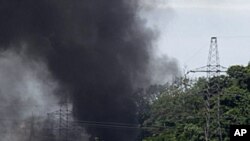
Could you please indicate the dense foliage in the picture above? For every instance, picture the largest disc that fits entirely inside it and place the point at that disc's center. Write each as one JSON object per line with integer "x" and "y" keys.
{"x": 178, "y": 112}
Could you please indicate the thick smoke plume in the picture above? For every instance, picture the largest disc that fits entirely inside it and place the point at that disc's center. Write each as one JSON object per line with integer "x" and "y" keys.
{"x": 98, "y": 50}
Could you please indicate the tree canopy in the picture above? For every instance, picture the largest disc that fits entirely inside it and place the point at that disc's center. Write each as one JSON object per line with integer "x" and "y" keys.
{"x": 178, "y": 112}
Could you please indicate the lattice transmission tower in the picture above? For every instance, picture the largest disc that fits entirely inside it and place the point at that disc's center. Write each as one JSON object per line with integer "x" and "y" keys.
{"x": 213, "y": 70}
{"x": 62, "y": 126}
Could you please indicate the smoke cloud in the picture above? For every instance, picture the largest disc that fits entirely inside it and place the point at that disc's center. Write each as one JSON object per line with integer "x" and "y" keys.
{"x": 97, "y": 50}
{"x": 26, "y": 89}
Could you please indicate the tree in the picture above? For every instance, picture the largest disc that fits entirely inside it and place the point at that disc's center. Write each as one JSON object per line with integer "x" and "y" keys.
{"x": 178, "y": 114}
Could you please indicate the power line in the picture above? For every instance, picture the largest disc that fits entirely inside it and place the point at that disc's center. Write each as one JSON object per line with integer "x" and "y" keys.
{"x": 194, "y": 54}
{"x": 234, "y": 36}
{"x": 105, "y": 124}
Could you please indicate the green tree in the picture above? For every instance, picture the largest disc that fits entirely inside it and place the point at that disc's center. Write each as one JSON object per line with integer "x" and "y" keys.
{"x": 177, "y": 114}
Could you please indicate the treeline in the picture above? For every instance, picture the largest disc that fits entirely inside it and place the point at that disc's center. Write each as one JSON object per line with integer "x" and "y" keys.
{"x": 177, "y": 112}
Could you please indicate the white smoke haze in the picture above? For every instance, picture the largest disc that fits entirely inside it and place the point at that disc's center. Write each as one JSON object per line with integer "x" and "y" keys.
{"x": 165, "y": 70}
{"x": 238, "y": 5}
{"x": 26, "y": 89}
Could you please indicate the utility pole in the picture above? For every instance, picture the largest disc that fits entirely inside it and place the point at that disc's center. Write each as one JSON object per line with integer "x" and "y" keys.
{"x": 213, "y": 70}
{"x": 67, "y": 118}
{"x": 62, "y": 119}
{"x": 60, "y": 123}
{"x": 32, "y": 128}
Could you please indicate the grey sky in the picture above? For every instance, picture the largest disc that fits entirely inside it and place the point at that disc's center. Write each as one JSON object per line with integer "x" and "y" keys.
{"x": 186, "y": 26}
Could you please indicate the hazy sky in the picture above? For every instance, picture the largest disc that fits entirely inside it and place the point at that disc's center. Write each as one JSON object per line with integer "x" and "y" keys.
{"x": 186, "y": 27}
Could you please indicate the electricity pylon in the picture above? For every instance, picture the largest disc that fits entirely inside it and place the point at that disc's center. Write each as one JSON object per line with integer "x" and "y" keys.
{"x": 213, "y": 70}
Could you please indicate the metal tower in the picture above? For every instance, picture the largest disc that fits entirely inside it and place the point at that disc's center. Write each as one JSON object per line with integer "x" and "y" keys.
{"x": 213, "y": 64}
{"x": 213, "y": 70}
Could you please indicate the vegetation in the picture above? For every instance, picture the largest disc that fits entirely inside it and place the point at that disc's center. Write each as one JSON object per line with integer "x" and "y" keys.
{"x": 178, "y": 112}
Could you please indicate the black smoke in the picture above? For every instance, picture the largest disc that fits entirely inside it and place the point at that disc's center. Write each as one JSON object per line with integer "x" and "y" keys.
{"x": 99, "y": 51}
